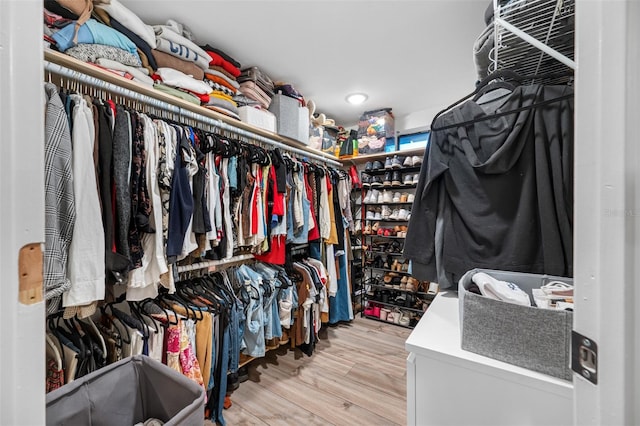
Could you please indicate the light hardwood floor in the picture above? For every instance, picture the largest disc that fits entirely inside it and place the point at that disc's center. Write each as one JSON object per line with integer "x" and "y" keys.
{"x": 356, "y": 376}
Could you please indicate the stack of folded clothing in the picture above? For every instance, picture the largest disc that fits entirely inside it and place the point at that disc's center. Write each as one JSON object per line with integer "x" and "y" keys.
{"x": 73, "y": 32}
{"x": 175, "y": 40}
{"x": 179, "y": 84}
{"x": 221, "y": 76}
{"x": 118, "y": 17}
{"x": 256, "y": 85}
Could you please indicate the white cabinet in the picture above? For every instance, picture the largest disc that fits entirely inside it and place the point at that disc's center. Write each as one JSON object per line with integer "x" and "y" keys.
{"x": 449, "y": 386}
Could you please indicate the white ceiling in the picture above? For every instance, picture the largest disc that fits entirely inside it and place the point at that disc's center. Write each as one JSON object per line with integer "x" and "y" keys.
{"x": 410, "y": 56}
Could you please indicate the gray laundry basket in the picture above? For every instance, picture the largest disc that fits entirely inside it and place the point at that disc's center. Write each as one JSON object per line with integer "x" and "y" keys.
{"x": 125, "y": 393}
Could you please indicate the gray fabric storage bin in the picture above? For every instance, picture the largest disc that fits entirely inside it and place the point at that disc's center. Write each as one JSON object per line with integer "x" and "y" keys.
{"x": 125, "y": 393}
{"x": 292, "y": 119}
{"x": 533, "y": 338}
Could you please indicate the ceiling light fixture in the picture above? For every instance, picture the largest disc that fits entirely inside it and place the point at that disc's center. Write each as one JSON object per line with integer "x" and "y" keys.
{"x": 356, "y": 98}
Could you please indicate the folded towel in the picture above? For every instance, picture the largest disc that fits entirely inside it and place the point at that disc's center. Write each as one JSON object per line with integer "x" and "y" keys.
{"x": 140, "y": 74}
{"x": 176, "y": 78}
{"x": 177, "y": 93}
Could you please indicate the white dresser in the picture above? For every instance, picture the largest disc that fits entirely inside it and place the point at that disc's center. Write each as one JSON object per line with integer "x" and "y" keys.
{"x": 449, "y": 386}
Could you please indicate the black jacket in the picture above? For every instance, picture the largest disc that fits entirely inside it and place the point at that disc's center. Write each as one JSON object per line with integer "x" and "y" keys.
{"x": 496, "y": 194}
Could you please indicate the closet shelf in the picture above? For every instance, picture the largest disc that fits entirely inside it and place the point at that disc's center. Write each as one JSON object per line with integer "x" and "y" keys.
{"x": 361, "y": 159}
{"x": 181, "y": 107}
{"x": 395, "y": 306}
{"x": 398, "y": 169}
{"x": 213, "y": 265}
{"x": 388, "y": 322}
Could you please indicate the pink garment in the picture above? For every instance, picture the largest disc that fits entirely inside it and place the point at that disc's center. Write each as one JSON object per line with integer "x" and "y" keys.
{"x": 188, "y": 361}
{"x": 173, "y": 347}
{"x": 180, "y": 354}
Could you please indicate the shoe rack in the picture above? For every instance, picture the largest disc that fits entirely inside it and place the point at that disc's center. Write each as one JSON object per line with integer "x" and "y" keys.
{"x": 389, "y": 292}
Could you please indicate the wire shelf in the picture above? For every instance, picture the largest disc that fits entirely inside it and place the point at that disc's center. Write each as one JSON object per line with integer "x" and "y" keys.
{"x": 534, "y": 37}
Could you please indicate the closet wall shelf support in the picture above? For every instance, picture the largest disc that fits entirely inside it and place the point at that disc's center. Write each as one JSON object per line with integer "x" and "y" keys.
{"x": 212, "y": 265}
{"x": 536, "y": 43}
{"x": 78, "y": 71}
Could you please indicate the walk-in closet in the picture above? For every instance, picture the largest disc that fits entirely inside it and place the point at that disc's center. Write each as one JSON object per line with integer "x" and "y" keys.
{"x": 281, "y": 213}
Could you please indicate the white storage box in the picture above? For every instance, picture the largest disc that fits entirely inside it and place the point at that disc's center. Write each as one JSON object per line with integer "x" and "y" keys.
{"x": 258, "y": 117}
{"x": 530, "y": 337}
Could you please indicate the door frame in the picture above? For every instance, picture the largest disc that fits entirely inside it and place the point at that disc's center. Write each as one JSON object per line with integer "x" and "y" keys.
{"x": 607, "y": 208}
{"x": 22, "y": 358}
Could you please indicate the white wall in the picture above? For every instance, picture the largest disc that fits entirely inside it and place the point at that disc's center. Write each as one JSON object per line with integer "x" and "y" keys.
{"x": 421, "y": 118}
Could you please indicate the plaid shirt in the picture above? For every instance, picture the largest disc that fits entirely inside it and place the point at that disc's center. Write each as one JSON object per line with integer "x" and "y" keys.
{"x": 60, "y": 212}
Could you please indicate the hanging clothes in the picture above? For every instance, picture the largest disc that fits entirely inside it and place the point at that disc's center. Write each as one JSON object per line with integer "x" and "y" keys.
{"x": 498, "y": 193}
{"x": 60, "y": 212}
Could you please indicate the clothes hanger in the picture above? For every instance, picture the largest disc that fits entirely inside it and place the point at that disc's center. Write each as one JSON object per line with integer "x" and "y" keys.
{"x": 143, "y": 304}
{"x": 501, "y": 74}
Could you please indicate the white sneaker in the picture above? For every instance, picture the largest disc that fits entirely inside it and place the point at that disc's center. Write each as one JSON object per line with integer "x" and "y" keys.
{"x": 416, "y": 160}
{"x": 402, "y": 214}
{"x": 378, "y": 215}
{"x": 416, "y": 177}
{"x": 408, "y": 162}
{"x": 380, "y": 198}
{"x": 370, "y": 214}
{"x": 372, "y": 196}
{"x": 387, "y": 197}
{"x": 386, "y": 212}
{"x": 396, "y": 197}
{"x": 394, "y": 214}
{"x": 411, "y": 198}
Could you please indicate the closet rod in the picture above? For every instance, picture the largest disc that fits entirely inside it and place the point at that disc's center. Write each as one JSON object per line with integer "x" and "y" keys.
{"x": 139, "y": 97}
{"x": 213, "y": 263}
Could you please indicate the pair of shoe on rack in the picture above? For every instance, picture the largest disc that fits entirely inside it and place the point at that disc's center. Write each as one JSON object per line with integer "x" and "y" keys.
{"x": 392, "y": 178}
{"x": 405, "y": 197}
{"x": 375, "y": 165}
{"x": 374, "y": 214}
{"x": 394, "y": 246}
{"x": 375, "y": 196}
{"x": 399, "y": 265}
{"x": 385, "y": 232}
{"x": 409, "y": 284}
{"x": 371, "y": 181}
{"x": 399, "y": 214}
{"x": 412, "y": 161}
{"x": 410, "y": 179}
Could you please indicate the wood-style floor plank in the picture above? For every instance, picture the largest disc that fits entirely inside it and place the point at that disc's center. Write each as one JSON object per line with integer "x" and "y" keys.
{"x": 357, "y": 375}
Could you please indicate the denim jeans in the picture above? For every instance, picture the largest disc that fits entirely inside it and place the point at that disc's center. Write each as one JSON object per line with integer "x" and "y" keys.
{"x": 221, "y": 390}
{"x": 253, "y": 336}
{"x": 272, "y": 326}
{"x": 236, "y": 331}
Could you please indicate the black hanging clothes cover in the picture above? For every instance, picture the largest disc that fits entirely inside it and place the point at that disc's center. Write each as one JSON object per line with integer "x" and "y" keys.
{"x": 497, "y": 193}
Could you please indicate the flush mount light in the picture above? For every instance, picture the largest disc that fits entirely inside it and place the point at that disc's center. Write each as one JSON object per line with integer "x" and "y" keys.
{"x": 356, "y": 98}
